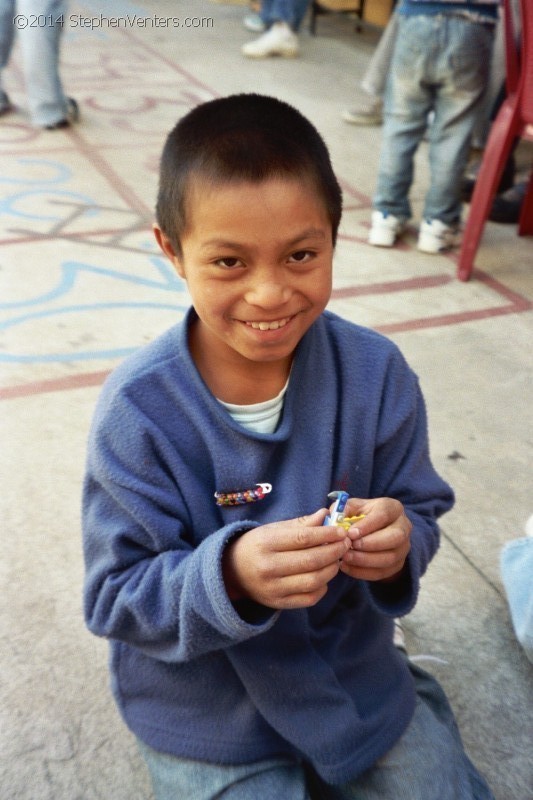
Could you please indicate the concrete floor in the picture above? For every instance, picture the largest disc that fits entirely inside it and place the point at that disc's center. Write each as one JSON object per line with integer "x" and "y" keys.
{"x": 81, "y": 285}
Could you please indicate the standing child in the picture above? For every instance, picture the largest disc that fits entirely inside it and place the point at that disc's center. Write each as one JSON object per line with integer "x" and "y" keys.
{"x": 39, "y": 24}
{"x": 441, "y": 63}
{"x": 251, "y": 645}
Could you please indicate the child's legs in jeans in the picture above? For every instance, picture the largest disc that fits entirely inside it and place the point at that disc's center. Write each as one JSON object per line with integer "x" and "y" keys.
{"x": 181, "y": 778}
{"x": 288, "y": 11}
{"x": 461, "y": 76}
{"x": 377, "y": 73}
{"x": 408, "y": 100}
{"x": 427, "y": 763}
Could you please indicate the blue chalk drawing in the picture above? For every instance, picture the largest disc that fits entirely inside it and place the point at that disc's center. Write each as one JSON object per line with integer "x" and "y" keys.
{"x": 71, "y": 271}
{"x": 60, "y": 172}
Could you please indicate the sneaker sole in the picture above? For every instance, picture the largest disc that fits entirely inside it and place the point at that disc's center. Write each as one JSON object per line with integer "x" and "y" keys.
{"x": 284, "y": 54}
{"x": 430, "y": 249}
{"x": 382, "y": 241}
{"x": 426, "y": 246}
{"x": 362, "y": 120}
{"x": 385, "y": 237}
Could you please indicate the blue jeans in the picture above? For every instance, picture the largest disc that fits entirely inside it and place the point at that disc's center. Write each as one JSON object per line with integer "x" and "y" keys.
{"x": 516, "y": 563}
{"x": 290, "y": 11}
{"x": 427, "y": 763}
{"x": 39, "y": 42}
{"x": 441, "y": 64}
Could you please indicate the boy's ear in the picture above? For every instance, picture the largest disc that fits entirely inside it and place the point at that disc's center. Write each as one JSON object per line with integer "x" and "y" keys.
{"x": 168, "y": 249}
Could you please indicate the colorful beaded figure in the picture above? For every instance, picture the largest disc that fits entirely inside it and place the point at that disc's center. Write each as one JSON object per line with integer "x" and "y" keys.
{"x": 240, "y": 498}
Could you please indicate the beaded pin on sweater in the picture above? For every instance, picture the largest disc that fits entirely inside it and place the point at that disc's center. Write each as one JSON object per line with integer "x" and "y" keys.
{"x": 246, "y": 496}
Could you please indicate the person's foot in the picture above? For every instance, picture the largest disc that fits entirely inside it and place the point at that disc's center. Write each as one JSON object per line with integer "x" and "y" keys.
{"x": 507, "y": 207}
{"x": 369, "y": 113}
{"x": 385, "y": 229}
{"x": 436, "y": 237}
{"x": 72, "y": 115}
{"x": 279, "y": 40}
{"x": 469, "y": 181}
{"x": 398, "y": 638}
{"x": 253, "y": 22}
{"x": 5, "y": 104}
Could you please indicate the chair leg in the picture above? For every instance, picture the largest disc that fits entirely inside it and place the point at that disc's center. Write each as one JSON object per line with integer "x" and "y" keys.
{"x": 503, "y": 132}
{"x": 525, "y": 224}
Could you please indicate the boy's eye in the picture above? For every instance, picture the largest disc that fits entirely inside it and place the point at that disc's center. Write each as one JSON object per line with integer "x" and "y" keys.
{"x": 301, "y": 256}
{"x": 229, "y": 262}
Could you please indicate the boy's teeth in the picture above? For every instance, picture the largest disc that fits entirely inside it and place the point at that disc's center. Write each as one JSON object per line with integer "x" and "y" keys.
{"x": 269, "y": 326}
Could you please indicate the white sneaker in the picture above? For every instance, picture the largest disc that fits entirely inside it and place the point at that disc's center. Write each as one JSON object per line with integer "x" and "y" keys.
{"x": 253, "y": 22}
{"x": 280, "y": 40}
{"x": 369, "y": 113}
{"x": 436, "y": 237}
{"x": 385, "y": 229}
{"x": 398, "y": 638}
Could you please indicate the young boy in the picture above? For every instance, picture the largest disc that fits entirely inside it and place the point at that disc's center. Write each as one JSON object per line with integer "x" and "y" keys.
{"x": 441, "y": 63}
{"x": 252, "y": 645}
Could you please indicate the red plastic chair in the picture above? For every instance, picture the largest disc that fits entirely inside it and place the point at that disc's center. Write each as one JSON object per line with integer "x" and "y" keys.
{"x": 512, "y": 121}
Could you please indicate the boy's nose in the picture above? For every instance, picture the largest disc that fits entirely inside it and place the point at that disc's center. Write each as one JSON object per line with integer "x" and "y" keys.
{"x": 268, "y": 294}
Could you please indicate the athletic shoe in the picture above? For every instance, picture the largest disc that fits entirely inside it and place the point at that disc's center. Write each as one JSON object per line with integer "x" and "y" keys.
{"x": 398, "y": 638}
{"x": 5, "y": 103}
{"x": 279, "y": 40}
{"x": 436, "y": 237}
{"x": 385, "y": 229}
{"x": 507, "y": 207}
{"x": 369, "y": 113}
{"x": 73, "y": 115}
{"x": 468, "y": 183}
{"x": 254, "y": 23}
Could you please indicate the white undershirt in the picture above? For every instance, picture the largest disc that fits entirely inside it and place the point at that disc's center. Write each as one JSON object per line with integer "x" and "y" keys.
{"x": 259, "y": 417}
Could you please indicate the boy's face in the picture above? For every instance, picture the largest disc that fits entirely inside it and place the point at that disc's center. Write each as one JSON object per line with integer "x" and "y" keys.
{"x": 257, "y": 258}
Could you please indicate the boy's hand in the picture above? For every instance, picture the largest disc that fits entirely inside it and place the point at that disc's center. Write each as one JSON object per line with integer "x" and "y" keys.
{"x": 380, "y": 541}
{"x": 285, "y": 564}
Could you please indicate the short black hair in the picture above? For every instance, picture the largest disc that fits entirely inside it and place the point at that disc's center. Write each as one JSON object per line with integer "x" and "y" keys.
{"x": 243, "y": 137}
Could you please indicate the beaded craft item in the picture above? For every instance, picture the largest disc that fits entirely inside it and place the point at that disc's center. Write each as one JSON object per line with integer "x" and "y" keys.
{"x": 246, "y": 496}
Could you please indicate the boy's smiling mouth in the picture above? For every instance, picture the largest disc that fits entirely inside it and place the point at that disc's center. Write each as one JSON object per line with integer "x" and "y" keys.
{"x": 271, "y": 325}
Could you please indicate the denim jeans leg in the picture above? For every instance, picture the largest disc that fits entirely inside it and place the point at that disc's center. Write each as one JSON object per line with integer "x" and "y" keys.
{"x": 461, "y": 75}
{"x": 179, "y": 778}
{"x": 7, "y": 31}
{"x": 427, "y": 763}
{"x": 376, "y": 75}
{"x": 407, "y": 102}
{"x": 283, "y": 11}
{"x": 40, "y": 52}
{"x": 300, "y": 10}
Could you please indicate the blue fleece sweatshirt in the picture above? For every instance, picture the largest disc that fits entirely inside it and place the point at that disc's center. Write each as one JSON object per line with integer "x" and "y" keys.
{"x": 194, "y": 675}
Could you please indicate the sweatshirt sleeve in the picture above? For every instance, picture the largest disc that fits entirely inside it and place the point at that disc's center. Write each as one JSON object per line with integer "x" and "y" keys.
{"x": 150, "y": 580}
{"x": 403, "y": 470}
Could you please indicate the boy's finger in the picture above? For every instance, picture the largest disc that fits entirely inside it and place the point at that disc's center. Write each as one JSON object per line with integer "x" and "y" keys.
{"x": 379, "y": 516}
{"x": 387, "y": 539}
{"x": 298, "y": 536}
{"x": 311, "y": 561}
